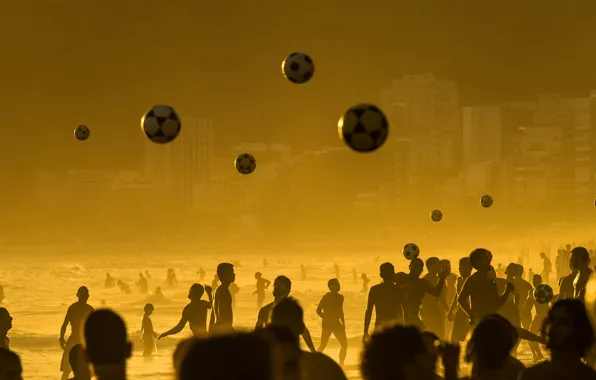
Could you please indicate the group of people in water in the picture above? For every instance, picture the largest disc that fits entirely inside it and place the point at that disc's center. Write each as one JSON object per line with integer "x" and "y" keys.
{"x": 413, "y": 314}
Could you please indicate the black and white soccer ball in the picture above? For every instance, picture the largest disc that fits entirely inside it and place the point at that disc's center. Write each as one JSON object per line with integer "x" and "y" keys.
{"x": 82, "y": 132}
{"x": 245, "y": 163}
{"x": 298, "y": 68}
{"x": 411, "y": 251}
{"x": 486, "y": 201}
{"x": 161, "y": 124}
{"x": 436, "y": 215}
{"x": 363, "y": 128}
{"x": 543, "y": 294}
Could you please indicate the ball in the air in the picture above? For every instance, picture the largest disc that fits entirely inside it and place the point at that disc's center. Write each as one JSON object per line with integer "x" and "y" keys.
{"x": 543, "y": 294}
{"x": 364, "y": 128}
{"x": 245, "y": 163}
{"x": 411, "y": 251}
{"x": 161, "y": 124}
{"x": 82, "y": 132}
{"x": 486, "y": 201}
{"x": 436, "y": 215}
{"x": 298, "y": 68}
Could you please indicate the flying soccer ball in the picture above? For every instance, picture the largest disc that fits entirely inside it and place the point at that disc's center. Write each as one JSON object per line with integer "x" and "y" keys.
{"x": 82, "y": 132}
{"x": 411, "y": 251}
{"x": 161, "y": 124}
{"x": 363, "y": 128}
{"x": 543, "y": 294}
{"x": 436, "y": 215}
{"x": 298, "y": 68}
{"x": 245, "y": 163}
{"x": 486, "y": 201}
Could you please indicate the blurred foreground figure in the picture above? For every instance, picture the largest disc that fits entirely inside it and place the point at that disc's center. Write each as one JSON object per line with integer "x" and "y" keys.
{"x": 79, "y": 365}
{"x": 10, "y": 365}
{"x": 5, "y": 326}
{"x": 107, "y": 346}
{"x": 75, "y": 316}
{"x": 234, "y": 357}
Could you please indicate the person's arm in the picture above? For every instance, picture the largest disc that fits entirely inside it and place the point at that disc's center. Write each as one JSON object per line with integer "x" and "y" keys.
{"x": 402, "y": 307}
{"x": 142, "y": 328}
{"x": 463, "y": 300}
{"x": 530, "y": 303}
{"x": 437, "y": 290}
{"x": 529, "y": 336}
{"x": 63, "y": 328}
{"x": 176, "y": 329}
{"x": 503, "y": 298}
{"x": 210, "y": 295}
{"x": 368, "y": 313}
{"x": 262, "y": 318}
{"x": 267, "y": 283}
{"x": 341, "y": 315}
{"x": 308, "y": 340}
{"x": 321, "y": 307}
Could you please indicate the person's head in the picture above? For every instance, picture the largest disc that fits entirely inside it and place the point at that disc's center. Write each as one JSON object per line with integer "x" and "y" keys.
{"x": 511, "y": 271}
{"x": 568, "y": 328}
{"x": 258, "y": 275}
{"x": 282, "y": 286}
{"x": 542, "y": 255}
{"x": 580, "y": 258}
{"x": 158, "y": 290}
{"x": 432, "y": 265}
{"x": 225, "y": 272}
{"x": 416, "y": 267}
{"x": 334, "y": 285}
{"x": 385, "y": 359}
{"x": 289, "y": 313}
{"x": 536, "y": 280}
{"x": 83, "y": 294}
{"x": 400, "y": 278}
{"x": 491, "y": 343}
{"x": 5, "y": 320}
{"x": 387, "y": 271}
{"x": 196, "y": 292}
{"x": 77, "y": 362}
{"x": 568, "y": 247}
{"x": 465, "y": 267}
{"x": 149, "y": 308}
{"x": 285, "y": 350}
{"x": 10, "y": 365}
{"x": 106, "y": 339}
{"x": 480, "y": 259}
{"x": 108, "y": 274}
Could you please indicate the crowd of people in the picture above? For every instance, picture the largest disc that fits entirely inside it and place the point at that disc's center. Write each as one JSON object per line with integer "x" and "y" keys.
{"x": 418, "y": 323}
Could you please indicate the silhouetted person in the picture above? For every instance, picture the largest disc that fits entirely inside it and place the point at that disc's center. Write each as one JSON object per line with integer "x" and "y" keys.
{"x": 417, "y": 288}
{"x": 171, "y": 279}
{"x": 148, "y": 275}
{"x": 195, "y": 313}
{"x": 148, "y": 335}
{"x": 566, "y": 289}
{"x": 1, "y": 294}
{"x": 303, "y": 275}
{"x": 282, "y": 286}
{"x": 547, "y": 267}
{"x": 124, "y": 288}
{"x": 107, "y": 347}
{"x": 580, "y": 261}
{"x": 10, "y": 365}
{"x": 355, "y": 276}
{"x": 336, "y": 268}
{"x": 461, "y": 327}
{"x": 80, "y": 367}
{"x": 386, "y": 299}
{"x": 365, "y": 282}
{"x": 222, "y": 304}
{"x": 262, "y": 286}
{"x": 201, "y": 272}
{"x": 541, "y": 315}
{"x": 180, "y": 352}
{"x": 331, "y": 311}
{"x": 110, "y": 281}
{"x": 75, "y": 316}
{"x": 314, "y": 365}
{"x": 510, "y": 309}
{"x": 5, "y": 326}
{"x": 143, "y": 284}
{"x": 530, "y": 274}
{"x": 434, "y": 308}
{"x": 523, "y": 292}
{"x": 569, "y": 339}
{"x": 500, "y": 270}
{"x": 215, "y": 283}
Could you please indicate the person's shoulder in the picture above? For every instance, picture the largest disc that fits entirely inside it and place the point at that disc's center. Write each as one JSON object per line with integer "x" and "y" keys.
{"x": 265, "y": 310}
{"x": 537, "y": 371}
{"x": 323, "y": 366}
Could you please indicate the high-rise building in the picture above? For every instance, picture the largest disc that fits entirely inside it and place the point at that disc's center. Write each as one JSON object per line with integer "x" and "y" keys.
{"x": 183, "y": 167}
{"x": 481, "y": 134}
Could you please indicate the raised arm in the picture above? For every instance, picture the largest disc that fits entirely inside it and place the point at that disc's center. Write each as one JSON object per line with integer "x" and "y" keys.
{"x": 267, "y": 283}
{"x": 437, "y": 290}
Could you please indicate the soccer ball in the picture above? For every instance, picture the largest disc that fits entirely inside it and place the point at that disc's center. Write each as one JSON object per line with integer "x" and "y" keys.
{"x": 161, "y": 124}
{"x": 411, "y": 251}
{"x": 486, "y": 201}
{"x": 436, "y": 215}
{"x": 363, "y": 128}
{"x": 82, "y": 132}
{"x": 298, "y": 68}
{"x": 245, "y": 163}
{"x": 543, "y": 294}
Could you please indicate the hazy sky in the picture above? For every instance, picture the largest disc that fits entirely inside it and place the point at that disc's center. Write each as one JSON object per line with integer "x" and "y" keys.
{"x": 103, "y": 62}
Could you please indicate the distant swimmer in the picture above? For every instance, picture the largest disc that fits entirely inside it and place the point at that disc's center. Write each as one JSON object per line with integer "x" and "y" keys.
{"x": 195, "y": 313}
{"x": 387, "y": 300}
{"x": 201, "y": 272}
{"x": 303, "y": 275}
{"x": 222, "y": 303}
{"x": 331, "y": 311}
{"x": 148, "y": 335}
{"x": 5, "y": 326}
{"x": 124, "y": 288}
{"x": 417, "y": 288}
{"x": 282, "y": 286}
{"x": 110, "y": 281}
{"x": 171, "y": 279}
{"x": 143, "y": 284}
{"x": 262, "y": 286}
{"x": 75, "y": 316}
{"x": 365, "y": 282}
{"x": 157, "y": 297}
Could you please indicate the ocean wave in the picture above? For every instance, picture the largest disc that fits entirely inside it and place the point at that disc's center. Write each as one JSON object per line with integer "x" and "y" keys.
{"x": 45, "y": 342}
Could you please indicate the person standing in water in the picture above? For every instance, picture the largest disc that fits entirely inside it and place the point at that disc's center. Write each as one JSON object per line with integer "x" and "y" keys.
{"x": 365, "y": 282}
{"x": 262, "y": 286}
{"x": 75, "y": 316}
{"x": 143, "y": 284}
{"x": 331, "y": 311}
{"x": 148, "y": 335}
{"x": 195, "y": 313}
{"x": 222, "y": 305}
